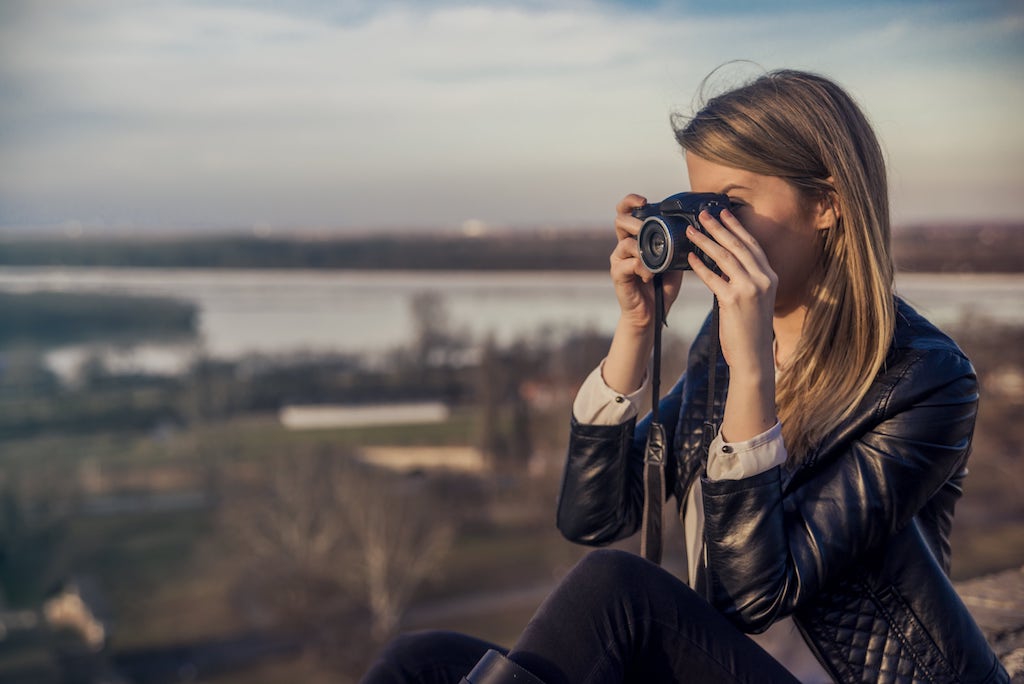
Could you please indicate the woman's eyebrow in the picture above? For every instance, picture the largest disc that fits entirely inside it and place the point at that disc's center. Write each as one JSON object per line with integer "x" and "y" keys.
{"x": 730, "y": 187}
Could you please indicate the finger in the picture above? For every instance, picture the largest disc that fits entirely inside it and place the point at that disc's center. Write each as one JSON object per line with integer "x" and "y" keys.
{"x": 712, "y": 280}
{"x": 626, "y": 248}
{"x": 630, "y": 202}
{"x": 625, "y": 223}
{"x": 739, "y": 230}
{"x": 722, "y": 235}
{"x": 729, "y": 232}
{"x": 716, "y": 247}
{"x": 626, "y": 263}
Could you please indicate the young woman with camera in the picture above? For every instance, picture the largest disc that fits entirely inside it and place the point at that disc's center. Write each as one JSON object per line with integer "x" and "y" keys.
{"x": 839, "y": 434}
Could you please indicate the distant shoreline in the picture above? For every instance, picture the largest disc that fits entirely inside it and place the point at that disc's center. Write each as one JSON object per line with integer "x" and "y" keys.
{"x": 989, "y": 248}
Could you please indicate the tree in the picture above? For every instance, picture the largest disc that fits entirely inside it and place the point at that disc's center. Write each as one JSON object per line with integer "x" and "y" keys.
{"x": 327, "y": 530}
{"x": 505, "y": 424}
{"x": 397, "y": 540}
{"x": 436, "y": 341}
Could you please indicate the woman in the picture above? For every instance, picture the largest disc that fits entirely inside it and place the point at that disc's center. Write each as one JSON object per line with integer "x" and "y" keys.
{"x": 822, "y": 509}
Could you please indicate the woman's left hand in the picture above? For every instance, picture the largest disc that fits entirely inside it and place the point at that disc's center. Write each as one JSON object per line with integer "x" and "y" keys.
{"x": 746, "y": 298}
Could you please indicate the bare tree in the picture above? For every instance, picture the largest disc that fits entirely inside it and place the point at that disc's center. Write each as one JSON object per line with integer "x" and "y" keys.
{"x": 326, "y": 528}
{"x": 286, "y": 516}
{"x": 398, "y": 538}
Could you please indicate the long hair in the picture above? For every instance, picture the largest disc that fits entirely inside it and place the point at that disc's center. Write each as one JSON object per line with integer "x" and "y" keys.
{"x": 805, "y": 129}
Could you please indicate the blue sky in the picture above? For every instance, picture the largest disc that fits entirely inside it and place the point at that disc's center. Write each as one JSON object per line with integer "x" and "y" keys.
{"x": 272, "y": 115}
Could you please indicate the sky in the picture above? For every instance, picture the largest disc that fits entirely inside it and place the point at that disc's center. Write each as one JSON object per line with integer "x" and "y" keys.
{"x": 356, "y": 115}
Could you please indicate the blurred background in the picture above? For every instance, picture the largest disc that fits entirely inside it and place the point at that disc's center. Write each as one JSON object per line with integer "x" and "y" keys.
{"x": 295, "y": 298}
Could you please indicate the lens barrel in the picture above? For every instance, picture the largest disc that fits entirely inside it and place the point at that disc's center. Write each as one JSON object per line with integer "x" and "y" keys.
{"x": 663, "y": 244}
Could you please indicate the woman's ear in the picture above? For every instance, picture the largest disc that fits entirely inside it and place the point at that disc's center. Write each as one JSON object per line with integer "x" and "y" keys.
{"x": 827, "y": 211}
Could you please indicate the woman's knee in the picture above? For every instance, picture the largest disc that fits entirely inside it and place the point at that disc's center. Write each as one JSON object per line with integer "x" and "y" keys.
{"x": 410, "y": 645}
{"x": 610, "y": 569}
{"x": 397, "y": 658}
{"x": 621, "y": 577}
{"x": 426, "y": 657}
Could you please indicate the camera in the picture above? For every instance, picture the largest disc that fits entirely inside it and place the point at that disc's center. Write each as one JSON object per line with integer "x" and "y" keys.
{"x": 662, "y": 238}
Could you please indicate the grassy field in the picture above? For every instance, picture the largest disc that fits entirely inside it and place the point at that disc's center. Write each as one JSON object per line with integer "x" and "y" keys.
{"x": 171, "y": 577}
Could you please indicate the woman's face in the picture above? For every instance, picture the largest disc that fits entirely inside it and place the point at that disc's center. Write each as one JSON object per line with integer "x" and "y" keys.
{"x": 784, "y": 223}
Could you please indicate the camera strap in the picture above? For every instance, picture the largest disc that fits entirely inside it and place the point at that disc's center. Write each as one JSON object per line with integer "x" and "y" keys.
{"x": 654, "y": 452}
{"x": 710, "y": 430}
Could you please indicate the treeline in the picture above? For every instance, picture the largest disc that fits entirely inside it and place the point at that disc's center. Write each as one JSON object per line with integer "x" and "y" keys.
{"x": 993, "y": 248}
{"x": 528, "y": 251}
{"x": 978, "y": 248}
{"x": 54, "y": 318}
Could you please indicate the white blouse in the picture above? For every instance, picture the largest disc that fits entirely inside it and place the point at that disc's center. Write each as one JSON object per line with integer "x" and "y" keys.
{"x": 598, "y": 404}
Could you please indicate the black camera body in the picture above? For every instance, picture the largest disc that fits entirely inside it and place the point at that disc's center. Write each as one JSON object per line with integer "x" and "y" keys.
{"x": 662, "y": 238}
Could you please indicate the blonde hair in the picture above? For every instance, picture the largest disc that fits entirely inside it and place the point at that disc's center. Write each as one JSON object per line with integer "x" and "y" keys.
{"x": 808, "y": 131}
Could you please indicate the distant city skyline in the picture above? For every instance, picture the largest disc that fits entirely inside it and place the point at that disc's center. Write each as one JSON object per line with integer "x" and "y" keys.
{"x": 331, "y": 116}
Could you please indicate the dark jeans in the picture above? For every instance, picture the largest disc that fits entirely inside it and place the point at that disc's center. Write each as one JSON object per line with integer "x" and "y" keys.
{"x": 614, "y": 618}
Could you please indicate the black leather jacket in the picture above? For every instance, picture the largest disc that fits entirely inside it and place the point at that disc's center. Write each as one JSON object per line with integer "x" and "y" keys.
{"x": 854, "y": 543}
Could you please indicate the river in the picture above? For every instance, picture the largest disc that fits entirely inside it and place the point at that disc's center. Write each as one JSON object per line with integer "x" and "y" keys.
{"x": 367, "y": 312}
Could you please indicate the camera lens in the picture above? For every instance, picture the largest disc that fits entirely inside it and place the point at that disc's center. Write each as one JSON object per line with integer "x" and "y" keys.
{"x": 657, "y": 244}
{"x": 654, "y": 244}
{"x": 663, "y": 244}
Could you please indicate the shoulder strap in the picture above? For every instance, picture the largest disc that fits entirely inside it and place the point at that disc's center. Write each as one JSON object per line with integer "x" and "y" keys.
{"x": 654, "y": 452}
{"x": 710, "y": 429}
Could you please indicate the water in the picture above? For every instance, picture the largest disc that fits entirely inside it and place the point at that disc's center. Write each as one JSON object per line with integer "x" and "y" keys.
{"x": 285, "y": 312}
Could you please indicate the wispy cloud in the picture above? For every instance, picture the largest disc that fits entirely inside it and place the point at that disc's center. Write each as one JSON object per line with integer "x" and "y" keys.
{"x": 219, "y": 113}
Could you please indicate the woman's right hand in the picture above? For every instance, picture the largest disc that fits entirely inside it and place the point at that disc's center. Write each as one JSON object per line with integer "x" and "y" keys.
{"x": 634, "y": 286}
{"x": 626, "y": 363}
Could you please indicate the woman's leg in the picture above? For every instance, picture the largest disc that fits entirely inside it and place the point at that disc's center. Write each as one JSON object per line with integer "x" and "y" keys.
{"x": 619, "y": 618}
{"x": 433, "y": 657}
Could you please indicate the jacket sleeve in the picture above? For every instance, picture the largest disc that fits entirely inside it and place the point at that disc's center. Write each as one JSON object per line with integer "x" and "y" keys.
{"x": 601, "y": 498}
{"x": 770, "y": 547}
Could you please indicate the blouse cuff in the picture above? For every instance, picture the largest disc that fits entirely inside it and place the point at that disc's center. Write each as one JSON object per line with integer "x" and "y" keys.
{"x": 598, "y": 404}
{"x": 738, "y": 460}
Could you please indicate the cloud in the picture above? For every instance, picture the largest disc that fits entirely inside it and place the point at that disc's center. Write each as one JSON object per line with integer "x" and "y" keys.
{"x": 203, "y": 113}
